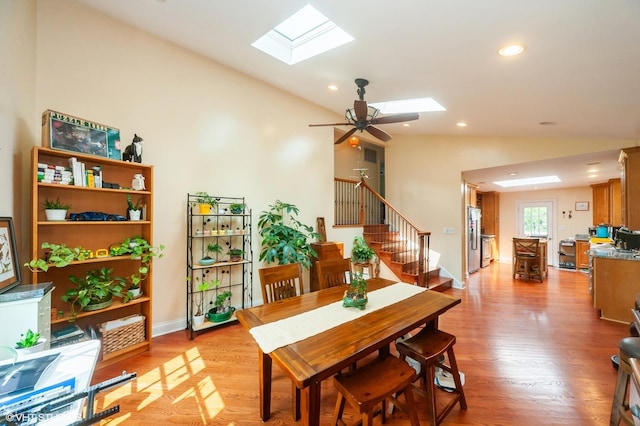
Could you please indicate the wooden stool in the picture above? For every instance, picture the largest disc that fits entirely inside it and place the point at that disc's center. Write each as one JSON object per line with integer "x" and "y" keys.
{"x": 372, "y": 384}
{"x": 629, "y": 348}
{"x": 428, "y": 347}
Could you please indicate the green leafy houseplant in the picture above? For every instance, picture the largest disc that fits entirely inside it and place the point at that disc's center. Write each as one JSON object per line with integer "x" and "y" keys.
{"x": 95, "y": 290}
{"x": 284, "y": 238}
{"x": 235, "y": 254}
{"x": 236, "y": 208}
{"x": 131, "y": 206}
{"x": 361, "y": 252}
{"x": 55, "y": 204}
{"x": 138, "y": 248}
{"x": 57, "y": 255}
{"x": 198, "y": 297}
{"x": 212, "y": 250}
{"x": 28, "y": 340}
{"x": 356, "y": 294}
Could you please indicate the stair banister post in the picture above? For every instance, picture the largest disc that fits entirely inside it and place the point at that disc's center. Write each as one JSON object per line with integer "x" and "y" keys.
{"x": 362, "y": 203}
{"x": 423, "y": 258}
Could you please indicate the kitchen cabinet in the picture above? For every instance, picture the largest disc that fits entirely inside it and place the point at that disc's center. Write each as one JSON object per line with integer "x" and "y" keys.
{"x": 607, "y": 205}
{"x": 471, "y": 195}
{"x": 630, "y": 187}
{"x": 582, "y": 254}
{"x": 326, "y": 250}
{"x": 615, "y": 286}
{"x": 489, "y": 204}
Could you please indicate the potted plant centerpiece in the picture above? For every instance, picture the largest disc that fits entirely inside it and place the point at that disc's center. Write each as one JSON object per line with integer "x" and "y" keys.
{"x": 210, "y": 258}
{"x": 95, "y": 290}
{"x": 356, "y": 294}
{"x": 205, "y": 202}
{"x": 361, "y": 254}
{"x": 222, "y": 309}
{"x": 284, "y": 238}
{"x": 55, "y": 210}
{"x": 30, "y": 342}
{"x": 135, "y": 210}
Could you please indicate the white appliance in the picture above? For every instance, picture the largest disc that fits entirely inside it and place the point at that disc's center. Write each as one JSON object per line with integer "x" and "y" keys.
{"x": 473, "y": 239}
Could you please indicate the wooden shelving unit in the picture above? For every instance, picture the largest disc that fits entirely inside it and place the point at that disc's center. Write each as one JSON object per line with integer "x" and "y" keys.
{"x": 92, "y": 236}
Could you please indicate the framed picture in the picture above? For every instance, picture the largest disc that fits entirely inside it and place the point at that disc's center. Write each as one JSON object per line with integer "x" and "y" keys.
{"x": 69, "y": 133}
{"x": 321, "y": 229}
{"x": 9, "y": 267}
{"x": 582, "y": 206}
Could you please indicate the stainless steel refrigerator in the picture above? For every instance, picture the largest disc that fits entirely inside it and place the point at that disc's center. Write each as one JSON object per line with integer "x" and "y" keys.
{"x": 473, "y": 239}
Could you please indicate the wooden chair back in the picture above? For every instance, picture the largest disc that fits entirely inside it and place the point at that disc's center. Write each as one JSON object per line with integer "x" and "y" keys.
{"x": 333, "y": 272}
{"x": 525, "y": 247}
{"x": 281, "y": 282}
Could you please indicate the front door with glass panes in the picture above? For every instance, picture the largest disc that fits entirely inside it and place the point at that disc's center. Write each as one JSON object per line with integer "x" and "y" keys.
{"x": 535, "y": 220}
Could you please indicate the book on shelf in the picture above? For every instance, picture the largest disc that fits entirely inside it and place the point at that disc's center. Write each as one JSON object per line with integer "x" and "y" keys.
{"x": 67, "y": 336}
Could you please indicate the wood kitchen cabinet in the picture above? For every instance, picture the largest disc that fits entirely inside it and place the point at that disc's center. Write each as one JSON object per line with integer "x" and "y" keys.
{"x": 582, "y": 254}
{"x": 607, "y": 204}
{"x": 615, "y": 286}
{"x": 325, "y": 250}
{"x": 630, "y": 187}
{"x": 489, "y": 204}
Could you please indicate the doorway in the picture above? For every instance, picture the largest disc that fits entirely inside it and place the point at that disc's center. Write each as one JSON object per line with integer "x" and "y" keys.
{"x": 535, "y": 219}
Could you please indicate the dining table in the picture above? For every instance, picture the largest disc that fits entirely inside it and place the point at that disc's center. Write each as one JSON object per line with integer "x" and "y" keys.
{"x": 311, "y": 356}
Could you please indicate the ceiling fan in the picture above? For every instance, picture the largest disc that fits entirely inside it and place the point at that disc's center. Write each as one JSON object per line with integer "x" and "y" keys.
{"x": 364, "y": 117}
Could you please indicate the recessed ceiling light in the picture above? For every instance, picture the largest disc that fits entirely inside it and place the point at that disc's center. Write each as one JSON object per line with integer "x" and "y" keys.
{"x": 406, "y": 124}
{"x": 513, "y": 173}
{"x": 527, "y": 181}
{"x": 461, "y": 124}
{"x": 511, "y": 50}
{"x": 408, "y": 105}
{"x": 304, "y": 34}
{"x": 332, "y": 87}
{"x": 592, "y": 176}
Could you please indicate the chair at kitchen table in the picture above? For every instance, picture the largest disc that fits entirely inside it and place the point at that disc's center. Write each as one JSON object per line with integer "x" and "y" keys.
{"x": 526, "y": 258}
{"x": 279, "y": 283}
{"x": 333, "y": 272}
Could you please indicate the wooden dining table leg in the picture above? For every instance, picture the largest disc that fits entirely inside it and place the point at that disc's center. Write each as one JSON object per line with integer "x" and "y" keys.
{"x": 265, "y": 366}
{"x": 310, "y": 404}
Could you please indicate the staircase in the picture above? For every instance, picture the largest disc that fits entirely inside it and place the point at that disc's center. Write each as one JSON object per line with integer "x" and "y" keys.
{"x": 398, "y": 243}
{"x": 397, "y": 254}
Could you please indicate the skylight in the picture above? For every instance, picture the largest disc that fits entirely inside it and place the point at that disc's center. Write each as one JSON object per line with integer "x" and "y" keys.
{"x": 527, "y": 181}
{"x": 303, "y": 35}
{"x": 409, "y": 105}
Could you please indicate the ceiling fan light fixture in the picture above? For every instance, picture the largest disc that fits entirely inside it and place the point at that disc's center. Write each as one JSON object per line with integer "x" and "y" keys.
{"x": 352, "y": 118}
{"x": 354, "y": 141}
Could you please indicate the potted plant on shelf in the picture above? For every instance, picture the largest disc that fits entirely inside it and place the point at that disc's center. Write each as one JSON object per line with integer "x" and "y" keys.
{"x": 356, "y": 294}
{"x": 284, "y": 238}
{"x": 236, "y": 208}
{"x": 210, "y": 258}
{"x": 30, "y": 342}
{"x": 222, "y": 309}
{"x": 135, "y": 210}
{"x": 361, "y": 254}
{"x": 138, "y": 248}
{"x": 235, "y": 254}
{"x": 198, "y": 302}
{"x": 58, "y": 255}
{"x": 205, "y": 202}
{"x": 55, "y": 210}
{"x": 95, "y": 290}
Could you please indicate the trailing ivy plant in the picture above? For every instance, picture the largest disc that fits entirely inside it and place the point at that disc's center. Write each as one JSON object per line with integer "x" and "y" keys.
{"x": 96, "y": 286}
{"x": 57, "y": 255}
{"x": 284, "y": 238}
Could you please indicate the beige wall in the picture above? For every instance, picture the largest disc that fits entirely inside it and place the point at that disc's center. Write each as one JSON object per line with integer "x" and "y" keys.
{"x": 209, "y": 128}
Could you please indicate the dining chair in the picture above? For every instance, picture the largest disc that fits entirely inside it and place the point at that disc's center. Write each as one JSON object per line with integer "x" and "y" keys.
{"x": 526, "y": 258}
{"x": 278, "y": 283}
{"x": 333, "y": 272}
{"x": 281, "y": 282}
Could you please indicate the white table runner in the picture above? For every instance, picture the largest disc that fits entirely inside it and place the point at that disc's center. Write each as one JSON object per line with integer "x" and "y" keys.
{"x": 280, "y": 333}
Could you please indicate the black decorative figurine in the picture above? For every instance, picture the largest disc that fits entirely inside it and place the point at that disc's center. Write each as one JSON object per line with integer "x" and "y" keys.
{"x": 133, "y": 152}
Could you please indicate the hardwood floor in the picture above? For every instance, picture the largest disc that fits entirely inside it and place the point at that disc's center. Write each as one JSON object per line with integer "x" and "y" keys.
{"x": 532, "y": 354}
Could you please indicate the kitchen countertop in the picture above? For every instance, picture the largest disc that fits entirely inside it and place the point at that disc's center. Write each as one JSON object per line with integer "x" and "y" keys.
{"x": 614, "y": 253}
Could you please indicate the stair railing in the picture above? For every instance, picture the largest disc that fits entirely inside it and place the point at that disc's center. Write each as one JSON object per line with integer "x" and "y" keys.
{"x": 357, "y": 204}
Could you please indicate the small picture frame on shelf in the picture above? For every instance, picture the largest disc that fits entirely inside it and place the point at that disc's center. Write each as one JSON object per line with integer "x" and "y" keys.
{"x": 9, "y": 267}
{"x": 582, "y": 206}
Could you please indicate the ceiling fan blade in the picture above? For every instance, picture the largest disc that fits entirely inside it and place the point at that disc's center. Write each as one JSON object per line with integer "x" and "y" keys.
{"x": 378, "y": 133}
{"x": 334, "y": 124}
{"x": 396, "y": 118}
{"x": 345, "y": 136}
{"x": 361, "y": 109}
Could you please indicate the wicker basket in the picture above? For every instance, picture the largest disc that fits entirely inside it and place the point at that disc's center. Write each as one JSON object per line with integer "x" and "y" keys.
{"x": 123, "y": 336}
